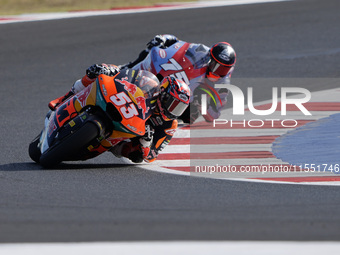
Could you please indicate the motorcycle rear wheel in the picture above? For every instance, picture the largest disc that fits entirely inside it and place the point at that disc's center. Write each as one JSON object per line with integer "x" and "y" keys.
{"x": 70, "y": 145}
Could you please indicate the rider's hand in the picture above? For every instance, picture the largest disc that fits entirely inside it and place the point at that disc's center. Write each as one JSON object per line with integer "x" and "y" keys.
{"x": 158, "y": 40}
{"x": 93, "y": 71}
{"x": 149, "y": 131}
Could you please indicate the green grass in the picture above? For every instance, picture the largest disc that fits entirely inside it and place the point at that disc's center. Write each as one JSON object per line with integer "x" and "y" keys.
{"x": 13, "y": 7}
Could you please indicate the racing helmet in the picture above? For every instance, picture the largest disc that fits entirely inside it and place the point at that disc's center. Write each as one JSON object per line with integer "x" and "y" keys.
{"x": 222, "y": 60}
{"x": 174, "y": 98}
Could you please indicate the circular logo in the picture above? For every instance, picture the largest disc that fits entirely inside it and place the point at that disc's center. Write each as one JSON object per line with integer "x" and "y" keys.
{"x": 162, "y": 53}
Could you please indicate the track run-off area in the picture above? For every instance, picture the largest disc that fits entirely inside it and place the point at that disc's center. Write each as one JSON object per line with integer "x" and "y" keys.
{"x": 246, "y": 183}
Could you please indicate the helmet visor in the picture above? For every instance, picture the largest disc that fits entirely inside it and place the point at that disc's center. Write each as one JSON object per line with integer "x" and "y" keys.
{"x": 174, "y": 107}
{"x": 218, "y": 70}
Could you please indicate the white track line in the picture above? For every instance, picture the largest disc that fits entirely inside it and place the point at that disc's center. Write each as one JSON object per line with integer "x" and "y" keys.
{"x": 175, "y": 247}
{"x": 232, "y": 132}
{"x": 175, "y": 6}
{"x": 216, "y": 148}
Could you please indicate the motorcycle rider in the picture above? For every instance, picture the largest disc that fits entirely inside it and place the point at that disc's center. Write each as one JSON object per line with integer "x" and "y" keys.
{"x": 215, "y": 65}
{"x": 172, "y": 101}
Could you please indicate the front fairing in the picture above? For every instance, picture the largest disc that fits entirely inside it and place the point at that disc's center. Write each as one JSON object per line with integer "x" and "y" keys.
{"x": 49, "y": 128}
{"x": 129, "y": 98}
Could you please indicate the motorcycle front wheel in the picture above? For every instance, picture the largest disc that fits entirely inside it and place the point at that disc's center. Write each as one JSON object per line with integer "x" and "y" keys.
{"x": 33, "y": 149}
{"x": 70, "y": 145}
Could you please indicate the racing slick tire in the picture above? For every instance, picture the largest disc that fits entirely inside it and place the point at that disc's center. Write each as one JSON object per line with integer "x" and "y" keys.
{"x": 33, "y": 149}
{"x": 70, "y": 145}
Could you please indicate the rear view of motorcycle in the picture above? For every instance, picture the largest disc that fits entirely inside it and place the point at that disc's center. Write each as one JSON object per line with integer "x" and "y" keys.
{"x": 110, "y": 110}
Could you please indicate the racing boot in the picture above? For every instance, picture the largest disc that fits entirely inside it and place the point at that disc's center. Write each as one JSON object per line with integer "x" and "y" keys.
{"x": 128, "y": 150}
{"x": 78, "y": 86}
{"x": 91, "y": 75}
{"x": 54, "y": 103}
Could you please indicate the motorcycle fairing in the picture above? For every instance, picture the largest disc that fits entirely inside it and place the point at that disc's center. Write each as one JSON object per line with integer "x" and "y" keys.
{"x": 133, "y": 102}
{"x": 181, "y": 60}
{"x": 130, "y": 121}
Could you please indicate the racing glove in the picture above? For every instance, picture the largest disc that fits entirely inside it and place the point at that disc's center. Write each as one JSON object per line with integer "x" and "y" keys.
{"x": 158, "y": 40}
{"x": 161, "y": 41}
{"x": 146, "y": 142}
{"x": 93, "y": 71}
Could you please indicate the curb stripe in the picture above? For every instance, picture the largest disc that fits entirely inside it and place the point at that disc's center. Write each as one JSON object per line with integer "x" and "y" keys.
{"x": 304, "y": 179}
{"x": 216, "y": 155}
{"x": 247, "y": 147}
{"x": 250, "y": 124}
{"x": 311, "y": 106}
{"x": 224, "y": 140}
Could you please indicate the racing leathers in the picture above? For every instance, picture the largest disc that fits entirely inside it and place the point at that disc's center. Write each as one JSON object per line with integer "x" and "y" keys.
{"x": 165, "y": 55}
{"x": 157, "y": 136}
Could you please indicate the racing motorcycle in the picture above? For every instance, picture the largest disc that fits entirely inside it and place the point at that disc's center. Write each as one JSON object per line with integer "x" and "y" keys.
{"x": 108, "y": 111}
{"x": 188, "y": 62}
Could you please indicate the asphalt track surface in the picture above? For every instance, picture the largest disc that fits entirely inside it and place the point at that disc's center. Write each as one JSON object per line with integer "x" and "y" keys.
{"x": 103, "y": 200}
